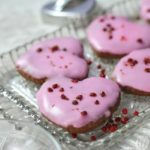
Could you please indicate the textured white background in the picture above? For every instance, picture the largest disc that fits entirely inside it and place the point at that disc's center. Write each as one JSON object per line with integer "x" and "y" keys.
{"x": 20, "y": 21}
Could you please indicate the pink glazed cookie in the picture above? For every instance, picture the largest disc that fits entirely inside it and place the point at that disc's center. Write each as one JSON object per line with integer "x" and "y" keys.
{"x": 117, "y": 36}
{"x": 78, "y": 106}
{"x": 133, "y": 72}
{"x": 56, "y": 57}
{"x": 145, "y": 10}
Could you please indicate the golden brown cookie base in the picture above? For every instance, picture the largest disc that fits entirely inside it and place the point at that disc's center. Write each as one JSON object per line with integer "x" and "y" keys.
{"x": 132, "y": 90}
{"x": 107, "y": 54}
{"x": 135, "y": 91}
{"x": 29, "y": 77}
{"x": 91, "y": 125}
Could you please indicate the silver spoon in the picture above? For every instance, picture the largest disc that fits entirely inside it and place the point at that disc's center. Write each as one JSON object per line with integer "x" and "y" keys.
{"x": 62, "y": 11}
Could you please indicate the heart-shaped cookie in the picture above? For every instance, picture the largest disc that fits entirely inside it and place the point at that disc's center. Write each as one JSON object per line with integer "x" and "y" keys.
{"x": 145, "y": 10}
{"x": 133, "y": 72}
{"x": 78, "y": 106}
{"x": 116, "y": 36}
{"x": 56, "y": 57}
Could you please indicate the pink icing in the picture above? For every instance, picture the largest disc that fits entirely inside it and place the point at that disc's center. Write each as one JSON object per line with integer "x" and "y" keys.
{"x": 117, "y": 35}
{"x": 94, "y": 97}
{"x": 134, "y": 70}
{"x": 69, "y": 44}
{"x": 145, "y": 9}
{"x": 46, "y": 59}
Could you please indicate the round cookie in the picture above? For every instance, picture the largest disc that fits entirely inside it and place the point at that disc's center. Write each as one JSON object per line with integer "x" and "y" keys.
{"x": 145, "y": 10}
{"x": 46, "y": 60}
{"x": 133, "y": 72}
{"x": 113, "y": 36}
{"x": 78, "y": 106}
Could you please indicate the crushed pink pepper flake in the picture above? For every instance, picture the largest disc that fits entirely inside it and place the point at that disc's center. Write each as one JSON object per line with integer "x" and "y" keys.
{"x": 74, "y": 135}
{"x": 102, "y": 73}
{"x": 117, "y": 119}
{"x": 124, "y": 120}
{"x": 110, "y": 37}
{"x": 61, "y": 57}
{"x": 104, "y": 29}
{"x": 97, "y": 102}
{"x": 123, "y": 38}
{"x": 64, "y": 97}
{"x": 108, "y": 125}
{"x": 64, "y": 49}
{"x": 50, "y": 90}
{"x": 148, "y": 10}
{"x": 54, "y": 48}
{"x": 103, "y": 94}
{"x": 93, "y": 138}
{"x": 66, "y": 66}
{"x": 122, "y": 26}
{"x": 104, "y": 129}
{"x": 79, "y": 97}
{"x": 147, "y": 70}
{"x": 113, "y": 128}
{"x": 84, "y": 113}
{"x": 99, "y": 66}
{"x": 55, "y": 86}
{"x": 75, "y": 102}
{"x": 74, "y": 81}
{"x": 102, "y": 20}
{"x": 89, "y": 62}
{"x": 140, "y": 41}
{"x": 109, "y": 25}
{"x": 131, "y": 62}
{"x": 61, "y": 89}
{"x": 135, "y": 113}
{"x": 39, "y": 50}
{"x": 147, "y": 60}
{"x": 113, "y": 17}
{"x": 92, "y": 94}
{"x": 124, "y": 111}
